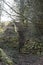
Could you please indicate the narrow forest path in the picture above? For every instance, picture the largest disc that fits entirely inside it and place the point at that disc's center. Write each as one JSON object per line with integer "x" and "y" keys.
{"x": 25, "y": 59}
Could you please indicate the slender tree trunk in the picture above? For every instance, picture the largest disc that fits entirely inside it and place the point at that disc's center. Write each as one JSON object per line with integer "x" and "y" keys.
{"x": 21, "y": 29}
{"x": 21, "y": 40}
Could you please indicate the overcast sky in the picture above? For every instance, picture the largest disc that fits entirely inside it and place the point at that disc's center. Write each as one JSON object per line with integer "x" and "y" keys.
{"x": 5, "y": 16}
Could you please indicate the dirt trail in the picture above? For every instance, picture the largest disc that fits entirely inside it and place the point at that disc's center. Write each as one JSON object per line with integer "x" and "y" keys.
{"x": 30, "y": 60}
{"x": 24, "y": 59}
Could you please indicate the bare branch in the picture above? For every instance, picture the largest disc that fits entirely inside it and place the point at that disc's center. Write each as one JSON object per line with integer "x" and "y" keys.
{"x": 15, "y": 11}
{"x": 8, "y": 14}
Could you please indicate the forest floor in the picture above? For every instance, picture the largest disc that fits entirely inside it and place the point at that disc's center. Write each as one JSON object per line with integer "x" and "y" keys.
{"x": 24, "y": 59}
{"x": 29, "y": 60}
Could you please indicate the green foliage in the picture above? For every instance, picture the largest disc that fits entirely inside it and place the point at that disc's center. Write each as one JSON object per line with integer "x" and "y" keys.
{"x": 33, "y": 47}
{"x": 9, "y": 41}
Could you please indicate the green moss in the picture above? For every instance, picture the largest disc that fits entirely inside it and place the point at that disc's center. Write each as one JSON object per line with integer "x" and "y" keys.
{"x": 5, "y": 58}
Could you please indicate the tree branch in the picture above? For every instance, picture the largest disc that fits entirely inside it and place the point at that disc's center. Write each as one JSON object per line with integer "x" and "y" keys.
{"x": 16, "y": 11}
